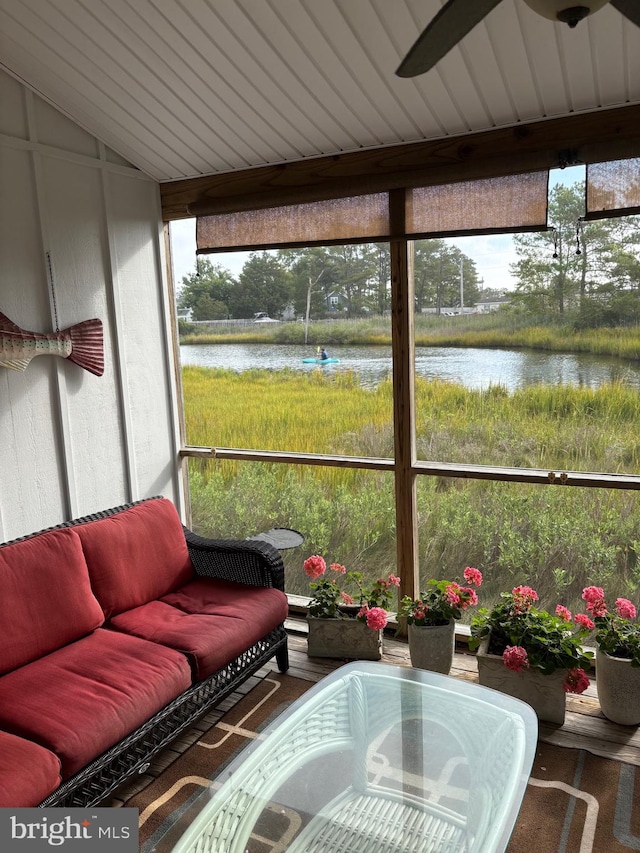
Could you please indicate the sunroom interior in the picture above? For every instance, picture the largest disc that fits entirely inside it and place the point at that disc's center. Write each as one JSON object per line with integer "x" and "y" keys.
{"x": 118, "y": 120}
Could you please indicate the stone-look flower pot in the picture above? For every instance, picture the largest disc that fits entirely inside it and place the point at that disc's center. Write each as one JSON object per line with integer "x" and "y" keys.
{"x": 431, "y": 646}
{"x": 348, "y": 639}
{"x": 618, "y": 685}
{"x": 544, "y": 693}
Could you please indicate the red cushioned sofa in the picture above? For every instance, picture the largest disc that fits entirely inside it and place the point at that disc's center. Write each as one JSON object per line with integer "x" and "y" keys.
{"x": 118, "y": 631}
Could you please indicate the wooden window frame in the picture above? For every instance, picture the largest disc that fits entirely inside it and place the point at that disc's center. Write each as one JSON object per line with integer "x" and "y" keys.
{"x": 594, "y": 137}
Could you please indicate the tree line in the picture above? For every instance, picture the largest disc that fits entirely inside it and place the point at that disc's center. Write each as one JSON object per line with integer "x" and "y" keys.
{"x": 586, "y": 271}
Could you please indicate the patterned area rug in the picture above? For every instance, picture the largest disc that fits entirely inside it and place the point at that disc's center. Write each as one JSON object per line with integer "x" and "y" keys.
{"x": 576, "y": 802}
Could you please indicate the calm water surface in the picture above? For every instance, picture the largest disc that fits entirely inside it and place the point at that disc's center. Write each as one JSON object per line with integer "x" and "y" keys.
{"x": 473, "y": 368}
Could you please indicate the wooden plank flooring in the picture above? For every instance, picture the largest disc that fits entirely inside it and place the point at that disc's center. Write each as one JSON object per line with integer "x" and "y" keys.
{"x": 585, "y": 727}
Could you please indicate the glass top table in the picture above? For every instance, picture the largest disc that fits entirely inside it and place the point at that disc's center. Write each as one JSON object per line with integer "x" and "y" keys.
{"x": 376, "y": 758}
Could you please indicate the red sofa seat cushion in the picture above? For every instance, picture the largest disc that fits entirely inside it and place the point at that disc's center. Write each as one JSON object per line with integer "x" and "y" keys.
{"x": 211, "y": 621}
{"x": 84, "y": 698}
{"x": 46, "y": 599}
{"x": 136, "y": 555}
{"x": 28, "y": 772}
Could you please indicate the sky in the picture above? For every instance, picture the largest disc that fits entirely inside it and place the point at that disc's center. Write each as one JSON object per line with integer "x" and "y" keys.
{"x": 492, "y": 253}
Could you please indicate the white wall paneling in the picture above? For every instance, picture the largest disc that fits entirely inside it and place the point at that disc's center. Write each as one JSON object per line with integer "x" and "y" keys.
{"x": 72, "y": 443}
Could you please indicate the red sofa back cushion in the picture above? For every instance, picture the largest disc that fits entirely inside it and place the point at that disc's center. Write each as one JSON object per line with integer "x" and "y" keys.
{"x": 136, "y": 555}
{"x": 46, "y": 599}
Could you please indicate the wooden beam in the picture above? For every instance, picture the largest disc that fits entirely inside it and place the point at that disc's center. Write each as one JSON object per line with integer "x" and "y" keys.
{"x": 402, "y": 349}
{"x": 586, "y": 138}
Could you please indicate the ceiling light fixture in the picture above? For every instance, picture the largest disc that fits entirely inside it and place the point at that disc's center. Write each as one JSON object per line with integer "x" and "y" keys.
{"x": 559, "y": 10}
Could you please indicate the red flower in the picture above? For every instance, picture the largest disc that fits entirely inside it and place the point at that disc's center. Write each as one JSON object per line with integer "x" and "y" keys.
{"x": 473, "y": 576}
{"x": 523, "y": 597}
{"x": 315, "y": 566}
{"x": 338, "y": 567}
{"x": 583, "y": 621}
{"x": 625, "y": 608}
{"x": 563, "y": 612}
{"x": 452, "y": 593}
{"x": 594, "y": 596}
{"x": 576, "y": 681}
{"x": 515, "y": 658}
{"x": 468, "y": 598}
{"x": 376, "y": 618}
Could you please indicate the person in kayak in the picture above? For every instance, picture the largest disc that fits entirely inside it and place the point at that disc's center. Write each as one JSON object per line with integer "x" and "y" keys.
{"x": 324, "y": 354}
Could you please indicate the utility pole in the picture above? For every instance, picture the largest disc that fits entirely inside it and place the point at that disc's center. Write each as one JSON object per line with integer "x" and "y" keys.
{"x": 461, "y": 287}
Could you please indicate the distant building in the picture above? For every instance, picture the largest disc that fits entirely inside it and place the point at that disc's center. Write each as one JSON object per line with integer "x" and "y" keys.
{"x": 334, "y": 301}
{"x": 491, "y": 305}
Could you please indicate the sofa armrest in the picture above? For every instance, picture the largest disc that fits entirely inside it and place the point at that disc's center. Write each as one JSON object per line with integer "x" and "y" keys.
{"x": 253, "y": 562}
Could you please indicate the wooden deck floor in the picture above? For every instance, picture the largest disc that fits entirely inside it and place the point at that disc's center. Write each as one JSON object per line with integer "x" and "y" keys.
{"x": 585, "y": 727}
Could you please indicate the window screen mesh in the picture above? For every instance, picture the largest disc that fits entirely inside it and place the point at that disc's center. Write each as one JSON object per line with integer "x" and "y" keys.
{"x": 508, "y": 203}
{"x": 505, "y": 203}
{"x": 365, "y": 216}
{"x": 613, "y": 188}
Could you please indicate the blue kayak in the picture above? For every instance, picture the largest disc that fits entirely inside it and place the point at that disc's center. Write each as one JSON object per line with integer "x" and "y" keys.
{"x": 320, "y": 360}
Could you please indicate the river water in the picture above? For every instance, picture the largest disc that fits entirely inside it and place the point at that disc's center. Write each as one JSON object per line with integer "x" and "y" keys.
{"x": 473, "y": 368}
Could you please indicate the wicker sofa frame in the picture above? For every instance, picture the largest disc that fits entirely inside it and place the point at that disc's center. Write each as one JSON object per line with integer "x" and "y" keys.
{"x": 252, "y": 562}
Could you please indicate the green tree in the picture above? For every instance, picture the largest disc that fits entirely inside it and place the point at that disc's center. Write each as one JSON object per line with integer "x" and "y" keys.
{"x": 439, "y": 271}
{"x": 263, "y": 285}
{"x": 313, "y": 275}
{"x": 355, "y": 268}
{"x": 206, "y": 291}
{"x": 379, "y": 257}
{"x": 586, "y": 272}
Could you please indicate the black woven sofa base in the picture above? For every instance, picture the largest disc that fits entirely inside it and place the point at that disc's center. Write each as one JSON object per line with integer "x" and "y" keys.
{"x": 132, "y": 755}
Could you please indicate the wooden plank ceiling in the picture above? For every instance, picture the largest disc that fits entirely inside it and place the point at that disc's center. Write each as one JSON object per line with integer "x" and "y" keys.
{"x": 186, "y": 88}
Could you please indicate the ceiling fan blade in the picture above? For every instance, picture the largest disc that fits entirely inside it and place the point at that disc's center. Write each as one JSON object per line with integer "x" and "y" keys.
{"x": 629, "y": 8}
{"x": 452, "y": 23}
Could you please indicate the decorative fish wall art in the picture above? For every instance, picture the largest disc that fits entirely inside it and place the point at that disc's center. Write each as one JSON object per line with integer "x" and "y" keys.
{"x": 81, "y": 343}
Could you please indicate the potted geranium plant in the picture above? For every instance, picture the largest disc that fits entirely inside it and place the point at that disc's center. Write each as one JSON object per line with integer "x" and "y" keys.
{"x": 431, "y": 619}
{"x": 346, "y": 617}
{"x": 530, "y": 653}
{"x": 617, "y": 636}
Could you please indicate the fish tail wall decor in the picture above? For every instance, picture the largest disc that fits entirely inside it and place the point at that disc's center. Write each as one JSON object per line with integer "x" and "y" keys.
{"x": 81, "y": 343}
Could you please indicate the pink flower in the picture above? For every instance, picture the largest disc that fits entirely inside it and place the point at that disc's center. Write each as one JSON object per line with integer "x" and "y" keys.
{"x": 594, "y": 596}
{"x": 592, "y": 593}
{"x": 471, "y": 597}
{"x": 524, "y": 597}
{"x": 473, "y": 576}
{"x": 420, "y": 611}
{"x": 452, "y": 593}
{"x": 625, "y": 608}
{"x": 393, "y": 580}
{"x": 338, "y": 567}
{"x": 563, "y": 612}
{"x": 376, "y": 618}
{"x": 315, "y": 566}
{"x": 583, "y": 621}
{"x": 515, "y": 658}
{"x": 576, "y": 681}
{"x": 346, "y": 598}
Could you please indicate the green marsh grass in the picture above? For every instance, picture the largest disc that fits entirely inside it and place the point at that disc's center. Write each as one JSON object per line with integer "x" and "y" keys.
{"x": 555, "y": 538}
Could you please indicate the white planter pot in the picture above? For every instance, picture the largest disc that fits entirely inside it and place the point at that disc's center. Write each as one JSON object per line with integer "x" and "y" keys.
{"x": 347, "y": 639}
{"x": 544, "y": 693}
{"x": 618, "y": 685}
{"x": 431, "y": 646}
